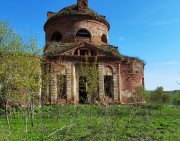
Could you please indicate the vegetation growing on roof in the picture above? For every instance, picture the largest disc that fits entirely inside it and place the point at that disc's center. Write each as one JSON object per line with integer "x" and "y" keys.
{"x": 62, "y": 47}
{"x": 56, "y": 48}
{"x": 110, "y": 49}
{"x": 73, "y": 10}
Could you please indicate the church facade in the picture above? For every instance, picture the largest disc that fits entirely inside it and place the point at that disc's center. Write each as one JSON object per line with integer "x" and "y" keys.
{"x": 77, "y": 32}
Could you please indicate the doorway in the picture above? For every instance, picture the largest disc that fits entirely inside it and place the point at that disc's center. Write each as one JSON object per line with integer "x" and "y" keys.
{"x": 108, "y": 86}
{"x": 82, "y": 90}
{"x": 62, "y": 87}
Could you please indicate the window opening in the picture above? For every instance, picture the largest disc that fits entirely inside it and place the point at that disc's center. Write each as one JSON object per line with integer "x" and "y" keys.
{"x": 76, "y": 52}
{"x": 57, "y": 36}
{"x": 104, "y": 38}
{"x": 83, "y": 33}
{"x": 93, "y": 53}
{"x": 143, "y": 81}
{"x": 61, "y": 81}
{"x": 83, "y": 52}
{"x": 82, "y": 90}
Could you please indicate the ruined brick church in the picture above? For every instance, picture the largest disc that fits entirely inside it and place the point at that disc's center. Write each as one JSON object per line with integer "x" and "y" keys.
{"x": 77, "y": 31}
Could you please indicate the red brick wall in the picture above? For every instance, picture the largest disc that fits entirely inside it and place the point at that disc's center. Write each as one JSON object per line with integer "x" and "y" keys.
{"x": 68, "y": 26}
{"x": 132, "y": 75}
{"x": 50, "y": 14}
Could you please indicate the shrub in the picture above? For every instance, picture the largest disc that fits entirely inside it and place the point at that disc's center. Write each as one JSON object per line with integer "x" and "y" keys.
{"x": 159, "y": 96}
{"x": 176, "y": 99}
{"x": 139, "y": 95}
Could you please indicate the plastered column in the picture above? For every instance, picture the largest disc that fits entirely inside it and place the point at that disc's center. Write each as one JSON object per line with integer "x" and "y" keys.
{"x": 101, "y": 81}
{"x": 69, "y": 82}
{"x": 53, "y": 85}
{"x": 115, "y": 84}
{"x": 74, "y": 84}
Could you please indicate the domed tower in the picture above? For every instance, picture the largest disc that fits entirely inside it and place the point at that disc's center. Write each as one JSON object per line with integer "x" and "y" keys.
{"x": 77, "y": 23}
{"x": 77, "y": 32}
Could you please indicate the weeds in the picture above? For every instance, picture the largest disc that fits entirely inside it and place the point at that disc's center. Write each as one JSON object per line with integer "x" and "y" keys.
{"x": 96, "y": 123}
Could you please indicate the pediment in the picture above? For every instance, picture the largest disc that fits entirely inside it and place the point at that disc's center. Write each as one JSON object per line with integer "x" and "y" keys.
{"x": 84, "y": 49}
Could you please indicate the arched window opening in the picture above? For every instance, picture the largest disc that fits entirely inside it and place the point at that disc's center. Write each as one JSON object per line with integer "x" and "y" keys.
{"x": 57, "y": 36}
{"x": 108, "y": 71}
{"x": 83, "y": 33}
{"x": 104, "y": 38}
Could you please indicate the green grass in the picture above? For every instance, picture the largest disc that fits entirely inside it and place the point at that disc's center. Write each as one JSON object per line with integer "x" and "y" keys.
{"x": 98, "y": 123}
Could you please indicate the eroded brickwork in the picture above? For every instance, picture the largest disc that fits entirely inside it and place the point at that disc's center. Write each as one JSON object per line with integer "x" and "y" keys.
{"x": 69, "y": 25}
{"x": 80, "y": 32}
{"x": 82, "y": 5}
{"x": 131, "y": 77}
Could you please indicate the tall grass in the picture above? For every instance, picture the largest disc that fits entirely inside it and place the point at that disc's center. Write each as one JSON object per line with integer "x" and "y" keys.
{"x": 87, "y": 122}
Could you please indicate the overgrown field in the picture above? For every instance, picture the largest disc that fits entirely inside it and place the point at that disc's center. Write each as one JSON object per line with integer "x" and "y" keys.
{"x": 97, "y": 123}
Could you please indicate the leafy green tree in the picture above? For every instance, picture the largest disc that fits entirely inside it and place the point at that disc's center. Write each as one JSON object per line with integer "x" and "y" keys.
{"x": 176, "y": 98}
{"x": 89, "y": 71}
{"x": 19, "y": 64}
{"x": 159, "y": 96}
{"x": 20, "y": 70}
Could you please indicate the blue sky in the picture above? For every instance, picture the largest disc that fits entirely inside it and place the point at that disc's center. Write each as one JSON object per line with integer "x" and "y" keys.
{"x": 148, "y": 29}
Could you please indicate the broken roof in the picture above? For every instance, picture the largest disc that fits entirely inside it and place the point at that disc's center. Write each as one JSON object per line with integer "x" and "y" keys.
{"x": 73, "y": 10}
